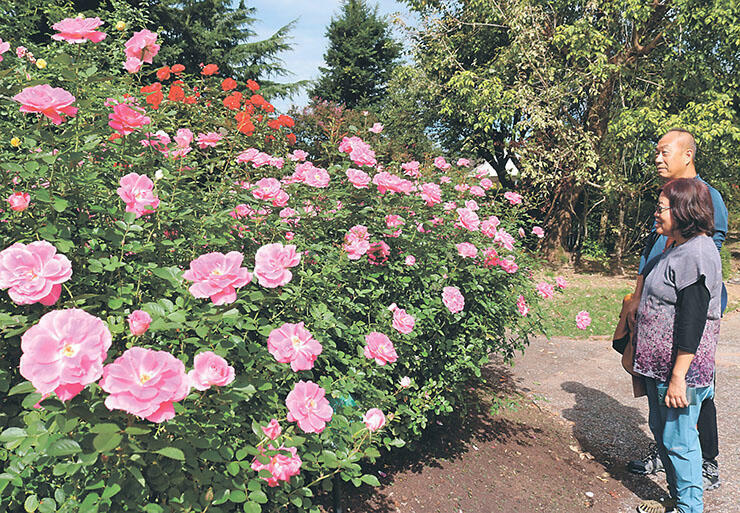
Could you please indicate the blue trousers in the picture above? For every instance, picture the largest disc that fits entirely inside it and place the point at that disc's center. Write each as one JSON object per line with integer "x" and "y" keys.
{"x": 675, "y": 433}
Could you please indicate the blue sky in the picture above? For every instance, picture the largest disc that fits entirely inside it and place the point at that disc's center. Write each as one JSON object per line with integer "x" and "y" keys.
{"x": 309, "y": 42}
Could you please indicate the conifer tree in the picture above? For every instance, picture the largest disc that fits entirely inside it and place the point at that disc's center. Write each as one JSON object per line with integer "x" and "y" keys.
{"x": 360, "y": 57}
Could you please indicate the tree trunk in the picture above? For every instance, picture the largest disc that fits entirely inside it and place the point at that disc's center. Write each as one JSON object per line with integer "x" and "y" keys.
{"x": 621, "y": 238}
{"x": 559, "y": 218}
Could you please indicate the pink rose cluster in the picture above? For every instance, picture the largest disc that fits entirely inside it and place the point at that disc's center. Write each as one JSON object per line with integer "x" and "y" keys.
{"x": 356, "y": 242}
{"x": 33, "y": 273}
{"x": 4, "y": 47}
{"x": 271, "y": 264}
{"x": 282, "y": 465}
{"x": 411, "y": 168}
{"x": 125, "y": 119}
{"x": 378, "y": 253}
{"x": 513, "y": 198}
{"x": 431, "y": 193}
{"x": 467, "y": 250}
{"x": 270, "y": 189}
{"x": 64, "y": 352}
{"x": 141, "y": 48}
{"x": 359, "y": 179}
{"x": 78, "y": 30}
{"x": 292, "y": 343}
{"x": 217, "y": 276}
{"x": 453, "y": 299}
{"x": 359, "y": 151}
{"x": 521, "y": 305}
{"x": 388, "y": 182}
{"x": 52, "y": 102}
{"x": 137, "y": 192}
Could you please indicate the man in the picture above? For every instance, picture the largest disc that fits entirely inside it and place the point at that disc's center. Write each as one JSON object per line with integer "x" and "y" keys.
{"x": 674, "y": 158}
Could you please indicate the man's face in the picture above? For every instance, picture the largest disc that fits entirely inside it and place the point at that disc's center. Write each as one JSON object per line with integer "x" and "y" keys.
{"x": 671, "y": 157}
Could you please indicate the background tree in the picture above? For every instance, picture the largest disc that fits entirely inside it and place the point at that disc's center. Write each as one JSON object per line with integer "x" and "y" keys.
{"x": 580, "y": 91}
{"x": 360, "y": 58}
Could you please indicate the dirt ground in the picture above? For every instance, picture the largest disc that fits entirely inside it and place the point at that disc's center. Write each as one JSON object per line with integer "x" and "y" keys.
{"x": 563, "y": 450}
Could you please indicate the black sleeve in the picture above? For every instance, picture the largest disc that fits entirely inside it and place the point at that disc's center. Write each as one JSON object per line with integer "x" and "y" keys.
{"x": 692, "y": 305}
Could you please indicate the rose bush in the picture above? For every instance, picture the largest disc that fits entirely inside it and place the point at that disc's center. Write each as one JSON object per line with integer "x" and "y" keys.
{"x": 201, "y": 288}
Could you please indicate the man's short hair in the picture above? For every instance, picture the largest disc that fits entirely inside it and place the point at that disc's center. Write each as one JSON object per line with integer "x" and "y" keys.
{"x": 691, "y": 206}
{"x": 692, "y": 139}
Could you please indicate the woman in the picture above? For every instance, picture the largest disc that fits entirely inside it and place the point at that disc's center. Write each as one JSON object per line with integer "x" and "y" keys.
{"x": 676, "y": 335}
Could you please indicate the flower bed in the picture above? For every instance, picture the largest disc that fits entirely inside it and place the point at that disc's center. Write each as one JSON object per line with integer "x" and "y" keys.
{"x": 190, "y": 302}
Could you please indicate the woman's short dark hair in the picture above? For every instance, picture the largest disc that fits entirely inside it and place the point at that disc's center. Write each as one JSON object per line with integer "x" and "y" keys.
{"x": 691, "y": 205}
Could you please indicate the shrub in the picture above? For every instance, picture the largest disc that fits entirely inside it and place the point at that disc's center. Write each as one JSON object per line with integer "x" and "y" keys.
{"x": 242, "y": 318}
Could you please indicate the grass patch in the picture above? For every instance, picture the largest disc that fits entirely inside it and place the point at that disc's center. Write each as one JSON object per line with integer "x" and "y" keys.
{"x": 601, "y": 296}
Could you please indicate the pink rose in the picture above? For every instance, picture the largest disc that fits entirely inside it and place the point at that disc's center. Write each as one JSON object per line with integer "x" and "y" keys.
{"x": 142, "y": 46}
{"x": 137, "y": 192}
{"x": 376, "y": 128}
{"x": 410, "y": 260}
{"x": 358, "y": 178}
{"x": 272, "y": 430}
{"x": 538, "y": 231}
{"x": 19, "y": 201}
{"x": 378, "y": 252}
{"x": 467, "y": 250}
{"x": 33, "y": 272}
{"x": 52, "y": 102}
{"x": 468, "y": 219}
{"x": 441, "y": 164}
{"x": 411, "y": 168}
{"x": 210, "y": 369}
{"x": 145, "y": 383}
{"x": 388, "y": 182}
{"x": 508, "y": 265}
{"x": 271, "y": 263}
{"x": 431, "y": 193}
{"x": 356, "y": 242}
{"x": 545, "y": 290}
{"x": 488, "y": 227}
{"x": 583, "y": 320}
{"x": 521, "y": 232}
{"x": 283, "y": 464}
{"x": 217, "y": 276}
{"x": 5, "y": 46}
{"x": 132, "y": 64}
{"x": 247, "y": 155}
{"x": 477, "y": 191}
{"x": 374, "y": 419}
{"x": 486, "y": 183}
{"x": 317, "y": 177}
{"x": 138, "y": 322}
{"x": 513, "y": 198}
{"x": 125, "y": 119}
{"x": 78, "y": 30}
{"x": 453, "y": 299}
{"x": 380, "y": 348}
{"x": 405, "y": 382}
{"x": 267, "y": 189}
{"x": 64, "y": 352}
{"x": 210, "y": 139}
{"x": 463, "y": 162}
{"x": 402, "y": 321}
{"x": 504, "y": 239}
{"x": 308, "y": 407}
{"x": 560, "y": 282}
{"x": 298, "y": 156}
{"x": 521, "y": 305}
{"x": 292, "y": 343}
{"x": 359, "y": 151}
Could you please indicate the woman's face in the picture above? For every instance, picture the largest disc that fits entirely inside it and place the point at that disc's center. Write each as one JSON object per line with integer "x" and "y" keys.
{"x": 663, "y": 219}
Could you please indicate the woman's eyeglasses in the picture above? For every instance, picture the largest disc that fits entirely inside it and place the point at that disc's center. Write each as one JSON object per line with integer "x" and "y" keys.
{"x": 660, "y": 208}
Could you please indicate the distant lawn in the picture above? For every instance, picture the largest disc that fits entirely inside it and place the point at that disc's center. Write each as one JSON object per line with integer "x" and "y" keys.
{"x": 601, "y": 296}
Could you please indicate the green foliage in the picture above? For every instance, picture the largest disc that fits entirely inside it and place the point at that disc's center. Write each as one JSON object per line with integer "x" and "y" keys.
{"x": 80, "y": 456}
{"x": 360, "y": 57}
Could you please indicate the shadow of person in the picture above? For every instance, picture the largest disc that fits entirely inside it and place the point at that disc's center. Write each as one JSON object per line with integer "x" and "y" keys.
{"x": 612, "y": 433}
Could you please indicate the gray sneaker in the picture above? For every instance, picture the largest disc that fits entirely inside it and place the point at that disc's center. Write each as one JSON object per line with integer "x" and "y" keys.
{"x": 650, "y": 464}
{"x": 710, "y": 475}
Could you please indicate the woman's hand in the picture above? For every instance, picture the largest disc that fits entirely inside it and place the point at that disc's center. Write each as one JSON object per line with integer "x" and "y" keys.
{"x": 675, "y": 397}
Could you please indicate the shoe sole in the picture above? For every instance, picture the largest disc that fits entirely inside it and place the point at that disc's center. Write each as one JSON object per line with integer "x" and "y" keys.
{"x": 645, "y": 473}
{"x": 713, "y": 486}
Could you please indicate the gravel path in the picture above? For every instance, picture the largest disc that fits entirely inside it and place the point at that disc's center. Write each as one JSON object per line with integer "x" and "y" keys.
{"x": 583, "y": 381}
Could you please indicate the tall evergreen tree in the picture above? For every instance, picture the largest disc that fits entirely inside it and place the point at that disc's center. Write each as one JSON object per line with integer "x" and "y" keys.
{"x": 360, "y": 58}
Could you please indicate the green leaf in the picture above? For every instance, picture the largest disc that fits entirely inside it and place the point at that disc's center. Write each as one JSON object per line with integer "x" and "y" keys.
{"x": 258, "y": 496}
{"x": 106, "y": 442}
{"x": 233, "y": 468}
{"x": 111, "y": 490}
{"x": 252, "y": 507}
{"x": 47, "y": 505}
{"x": 137, "y": 430}
{"x": 105, "y": 428}
{"x": 370, "y": 479}
{"x": 31, "y": 503}
{"x": 172, "y": 452}
{"x": 63, "y": 447}
{"x": 60, "y": 205}
{"x": 22, "y": 388}
{"x": 12, "y": 434}
{"x": 238, "y": 496}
